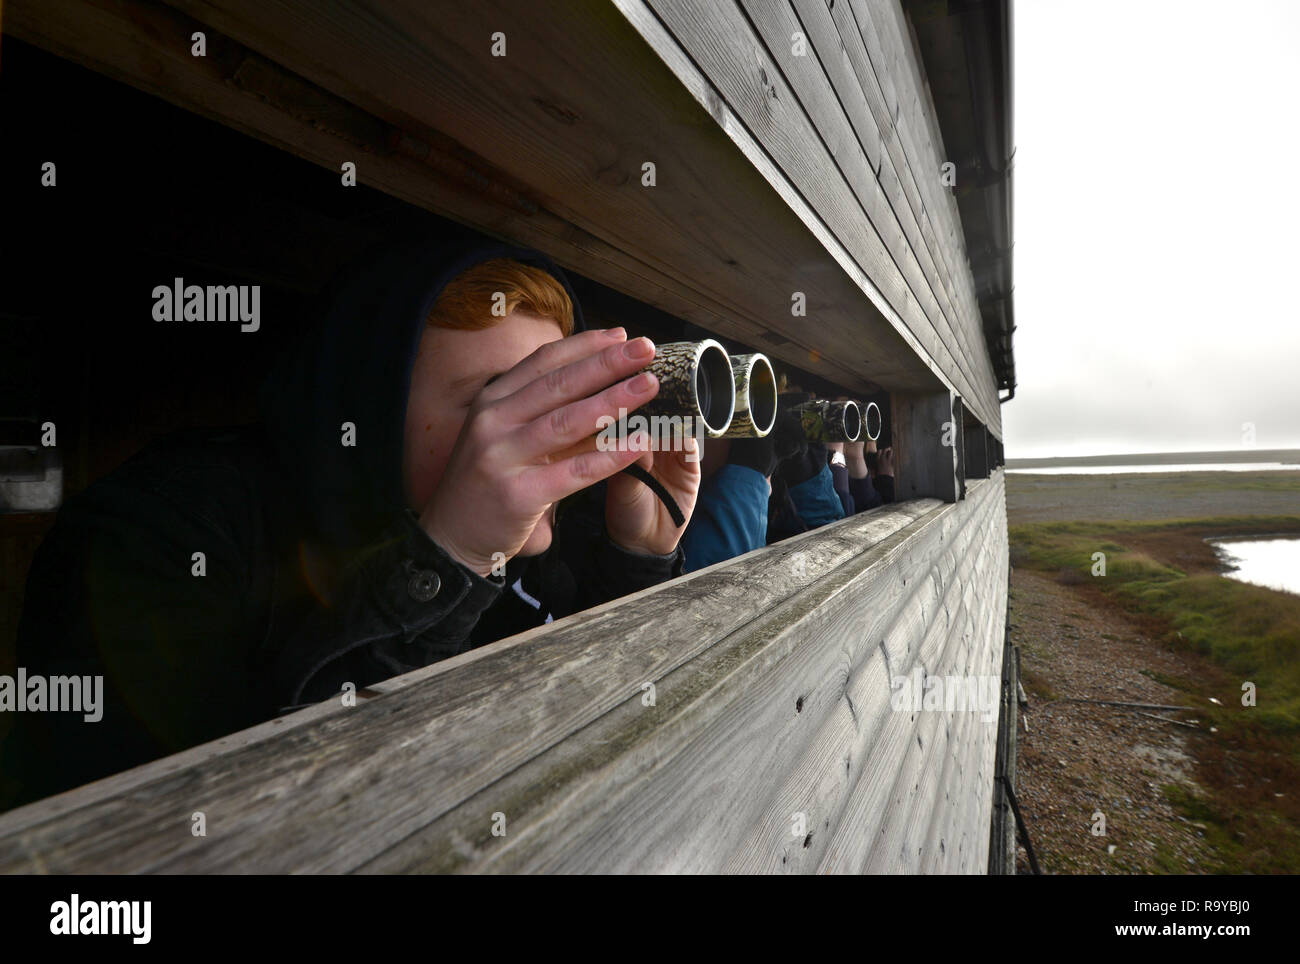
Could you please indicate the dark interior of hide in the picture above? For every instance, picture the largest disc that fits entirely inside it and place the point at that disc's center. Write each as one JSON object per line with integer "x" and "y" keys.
{"x": 145, "y": 193}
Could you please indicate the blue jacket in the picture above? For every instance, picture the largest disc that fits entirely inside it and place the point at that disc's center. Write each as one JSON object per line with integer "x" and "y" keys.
{"x": 816, "y": 500}
{"x": 730, "y": 517}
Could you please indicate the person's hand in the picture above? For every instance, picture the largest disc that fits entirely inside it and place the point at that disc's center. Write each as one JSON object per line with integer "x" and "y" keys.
{"x": 635, "y": 517}
{"x": 528, "y": 441}
{"x": 885, "y": 462}
{"x": 854, "y": 452}
{"x": 855, "y": 459}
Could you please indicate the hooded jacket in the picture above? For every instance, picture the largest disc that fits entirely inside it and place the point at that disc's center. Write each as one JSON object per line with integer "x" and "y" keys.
{"x": 189, "y": 578}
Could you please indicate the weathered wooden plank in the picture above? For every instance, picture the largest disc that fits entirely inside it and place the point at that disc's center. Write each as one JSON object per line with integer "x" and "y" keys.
{"x": 817, "y": 97}
{"x": 148, "y": 46}
{"x": 894, "y": 847}
{"x": 914, "y": 798}
{"x": 912, "y": 639}
{"x": 719, "y": 39}
{"x": 856, "y": 32}
{"x": 856, "y": 672}
{"x": 918, "y": 130}
{"x": 966, "y": 761}
{"x": 832, "y": 671}
{"x": 702, "y": 780}
{"x": 724, "y": 726}
{"x": 884, "y": 151}
{"x": 364, "y": 780}
{"x": 924, "y": 441}
{"x": 882, "y": 790}
{"x": 665, "y": 45}
{"x": 882, "y": 75}
{"x": 918, "y": 793}
{"x": 975, "y": 765}
{"x": 575, "y": 108}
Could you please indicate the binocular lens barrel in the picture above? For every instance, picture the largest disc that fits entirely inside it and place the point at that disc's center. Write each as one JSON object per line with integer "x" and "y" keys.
{"x": 873, "y": 420}
{"x": 852, "y": 422}
{"x": 695, "y": 381}
{"x": 827, "y": 421}
{"x": 755, "y": 391}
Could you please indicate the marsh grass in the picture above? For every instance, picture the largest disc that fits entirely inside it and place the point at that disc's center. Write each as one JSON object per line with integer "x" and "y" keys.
{"x": 1164, "y": 576}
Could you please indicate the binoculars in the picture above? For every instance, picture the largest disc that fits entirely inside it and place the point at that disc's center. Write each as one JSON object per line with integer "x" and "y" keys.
{"x": 730, "y": 396}
{"x": 735, "y": 396}
{"x": 827, "y": 421}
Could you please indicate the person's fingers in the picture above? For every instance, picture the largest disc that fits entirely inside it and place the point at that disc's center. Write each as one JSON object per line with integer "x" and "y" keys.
{"x": 552, "y": 355}
{"x": 563, "y": 477}
{"x": 587, "y": 444}
{"x": 563, "y": 426}
{"x": 579, "y": 378}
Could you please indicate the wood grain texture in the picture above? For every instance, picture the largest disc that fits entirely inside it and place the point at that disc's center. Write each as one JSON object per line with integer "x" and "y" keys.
{"x": 920, "y": 138}
{"x": 924, "y": 440}
{"x": 669, "y": 248}
{"x": 844, "y": 156}
{"x": 838, "y": 45}
{"x": 398, "y": 88}
{"x": 772, "y": 677}
{"x": 719, "y": 38}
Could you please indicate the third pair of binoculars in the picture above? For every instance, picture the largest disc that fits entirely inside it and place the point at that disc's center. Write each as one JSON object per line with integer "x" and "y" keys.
{"x": 735, "y": 396}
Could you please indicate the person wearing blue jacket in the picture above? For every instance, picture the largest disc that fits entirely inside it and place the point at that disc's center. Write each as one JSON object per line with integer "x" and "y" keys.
{"x": 731, "y": 511}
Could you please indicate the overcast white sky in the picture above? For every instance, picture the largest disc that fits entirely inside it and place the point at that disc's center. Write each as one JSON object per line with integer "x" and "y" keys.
{"x": 1157, "y": 205}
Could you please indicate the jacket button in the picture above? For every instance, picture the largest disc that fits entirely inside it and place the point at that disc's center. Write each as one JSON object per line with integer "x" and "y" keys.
{"x": 423, "y": 585}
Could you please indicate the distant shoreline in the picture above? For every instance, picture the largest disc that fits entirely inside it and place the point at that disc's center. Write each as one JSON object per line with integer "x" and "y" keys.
{"x": 1151, "y": 495}
{"x": 1287, "y": 456}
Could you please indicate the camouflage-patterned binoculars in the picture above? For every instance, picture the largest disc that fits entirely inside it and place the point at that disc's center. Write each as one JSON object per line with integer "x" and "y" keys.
{"x": 727, "y": 396}
{"x": 827, "y": 421}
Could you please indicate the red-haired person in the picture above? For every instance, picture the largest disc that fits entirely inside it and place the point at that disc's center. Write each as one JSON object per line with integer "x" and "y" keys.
{"x": 396, "y": 505}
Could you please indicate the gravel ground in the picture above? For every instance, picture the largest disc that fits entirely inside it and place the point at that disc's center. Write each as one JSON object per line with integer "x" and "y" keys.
{"x": 1080, "y": 759}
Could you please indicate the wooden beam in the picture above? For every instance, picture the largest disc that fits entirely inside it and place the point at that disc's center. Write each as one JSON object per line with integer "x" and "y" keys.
{"x": 925, "y": 444}
{"x": 772, "y": 698}
{"x": 959, "y": 442}
{"x": 720, "y": 42}
{"x": 713, "y": 246}
{"x": 886, "y": 29}
{"x": 835, "y": 153}
{"x": 574, "y": 110}
{"x": 867, "y": 92}
{"x": 977, "y": 451}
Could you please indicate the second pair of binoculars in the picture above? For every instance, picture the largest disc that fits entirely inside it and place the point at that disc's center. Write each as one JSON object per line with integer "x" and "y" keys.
{"x": 735, "y": 396}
